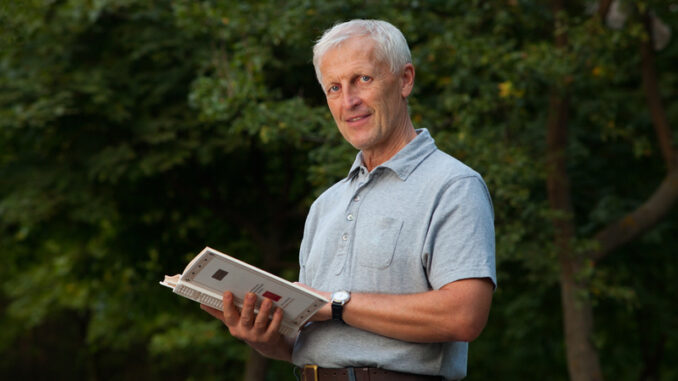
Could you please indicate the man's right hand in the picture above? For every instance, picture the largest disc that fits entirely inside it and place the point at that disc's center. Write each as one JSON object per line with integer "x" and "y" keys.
{"x": 257, "y": 330}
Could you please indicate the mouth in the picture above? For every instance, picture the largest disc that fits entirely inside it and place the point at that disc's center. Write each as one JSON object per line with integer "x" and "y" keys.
{"x": 357, "y": 118}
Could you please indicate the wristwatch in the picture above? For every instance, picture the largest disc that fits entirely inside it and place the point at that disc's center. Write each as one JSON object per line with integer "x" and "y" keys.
{"x": 339, "y": 299}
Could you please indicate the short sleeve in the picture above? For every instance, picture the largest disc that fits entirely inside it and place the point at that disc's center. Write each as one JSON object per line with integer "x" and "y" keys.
{"x": 460, "y": 242}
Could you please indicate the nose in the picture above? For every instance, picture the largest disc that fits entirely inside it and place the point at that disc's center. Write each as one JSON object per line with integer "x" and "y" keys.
{"x": 350, "y": 98}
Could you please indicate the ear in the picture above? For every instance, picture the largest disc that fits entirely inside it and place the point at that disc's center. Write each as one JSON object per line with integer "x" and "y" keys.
{"x": 407, "y": 80}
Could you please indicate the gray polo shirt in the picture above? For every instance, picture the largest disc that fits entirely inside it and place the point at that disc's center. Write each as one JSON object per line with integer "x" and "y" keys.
{"x": 415, "y": 223}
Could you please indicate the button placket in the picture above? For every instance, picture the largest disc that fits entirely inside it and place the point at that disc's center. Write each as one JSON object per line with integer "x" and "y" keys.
{"x": 350, "y": 217}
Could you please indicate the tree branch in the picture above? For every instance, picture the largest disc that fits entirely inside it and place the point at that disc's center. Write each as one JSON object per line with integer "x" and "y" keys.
{"x": 603, "y": 9}
{"x": 557, "y": 182}
{"x": 640, "y": 220}
{"x": 653, "y": 97}
{"x": 664, "y": 197}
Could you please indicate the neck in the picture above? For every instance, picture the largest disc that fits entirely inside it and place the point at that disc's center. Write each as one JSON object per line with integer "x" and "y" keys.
{"x": 401, "y": 137}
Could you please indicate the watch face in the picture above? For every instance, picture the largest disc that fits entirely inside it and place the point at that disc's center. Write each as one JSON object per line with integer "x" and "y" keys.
{"x": 340, "y": 296}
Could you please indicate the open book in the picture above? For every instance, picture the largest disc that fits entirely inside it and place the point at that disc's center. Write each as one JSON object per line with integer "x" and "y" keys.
{"x": 211, "y": 273}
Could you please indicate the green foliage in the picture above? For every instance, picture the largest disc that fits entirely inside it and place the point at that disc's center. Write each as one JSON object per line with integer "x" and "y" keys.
{"x": 133, "y": 133}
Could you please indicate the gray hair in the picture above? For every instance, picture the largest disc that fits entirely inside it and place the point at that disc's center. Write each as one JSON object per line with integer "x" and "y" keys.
{"x": 391, "y": 45}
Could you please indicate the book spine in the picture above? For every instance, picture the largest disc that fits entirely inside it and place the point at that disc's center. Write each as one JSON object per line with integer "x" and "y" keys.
{"x": 199, "y": 297}
{"x": 287, "y": 330}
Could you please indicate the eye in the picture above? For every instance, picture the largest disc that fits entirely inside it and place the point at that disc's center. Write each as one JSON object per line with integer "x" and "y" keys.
{"x": 333, "y": 89}
{"x": 365, "y": 78}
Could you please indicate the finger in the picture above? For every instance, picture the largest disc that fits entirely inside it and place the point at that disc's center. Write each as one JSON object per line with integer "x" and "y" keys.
{"x": 230, "y": 315}
{"x": 274, "y": 326}
{"x": 247, "y": 313}
{"x": 261, "y": 321}
{"x": 212, "y": 311}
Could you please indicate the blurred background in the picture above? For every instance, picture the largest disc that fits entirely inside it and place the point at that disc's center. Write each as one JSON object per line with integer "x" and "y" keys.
{"x": 133, "y": 133}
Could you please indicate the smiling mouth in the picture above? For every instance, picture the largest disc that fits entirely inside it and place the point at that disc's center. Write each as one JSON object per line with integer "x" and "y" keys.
{"x": 357, "y": 118}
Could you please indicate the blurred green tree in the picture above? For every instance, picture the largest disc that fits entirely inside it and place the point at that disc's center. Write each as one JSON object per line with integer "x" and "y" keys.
{"x": 133, "y": 133}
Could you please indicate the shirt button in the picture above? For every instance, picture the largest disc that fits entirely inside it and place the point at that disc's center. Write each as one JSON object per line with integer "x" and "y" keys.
{"x": 349, "y": 217}
{"x": 344, "y": 237}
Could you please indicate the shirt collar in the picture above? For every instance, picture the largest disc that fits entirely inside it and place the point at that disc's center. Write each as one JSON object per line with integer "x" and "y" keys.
{"x": 406, "y": 160}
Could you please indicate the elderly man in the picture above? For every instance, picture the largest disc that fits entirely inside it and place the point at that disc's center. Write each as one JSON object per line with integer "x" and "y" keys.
{"x": 403, "y": 246}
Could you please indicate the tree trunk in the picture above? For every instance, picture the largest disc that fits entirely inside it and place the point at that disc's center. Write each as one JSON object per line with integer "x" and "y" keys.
{"x": 256, "y": 366}
{"x": 582, "y": 356}
{"x": 267, "y": 234}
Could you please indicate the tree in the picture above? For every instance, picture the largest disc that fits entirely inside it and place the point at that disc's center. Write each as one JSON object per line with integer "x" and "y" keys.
{"x": 583, "y": 362}
{"x": 133, "y": 133}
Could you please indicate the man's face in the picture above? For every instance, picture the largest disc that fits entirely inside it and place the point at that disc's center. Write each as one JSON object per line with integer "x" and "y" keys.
{"x": 367, "y": 101}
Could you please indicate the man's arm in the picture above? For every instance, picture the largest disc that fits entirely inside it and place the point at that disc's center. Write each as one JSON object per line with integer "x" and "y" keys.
{"x": 258, "y": 331}
{"x": 456, "y": 312}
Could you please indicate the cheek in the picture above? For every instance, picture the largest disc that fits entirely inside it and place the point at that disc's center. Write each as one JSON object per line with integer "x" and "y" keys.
{"x": 390, "y": 102}
{"x": 333, "y": 109}
{"x": 336, "y": 115}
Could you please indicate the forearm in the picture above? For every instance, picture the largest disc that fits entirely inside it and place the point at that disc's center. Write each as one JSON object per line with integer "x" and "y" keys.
{"x": 456, "y": 312}
{"x": 408, "y": 317}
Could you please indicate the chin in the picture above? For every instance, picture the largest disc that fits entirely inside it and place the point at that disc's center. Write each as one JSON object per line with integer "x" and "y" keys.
{"x": 361, "y": 138}
{"x": 360, "y": 144}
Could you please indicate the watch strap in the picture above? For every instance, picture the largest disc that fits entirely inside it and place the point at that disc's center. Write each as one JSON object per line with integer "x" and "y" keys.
{"x": 337, "y": 311}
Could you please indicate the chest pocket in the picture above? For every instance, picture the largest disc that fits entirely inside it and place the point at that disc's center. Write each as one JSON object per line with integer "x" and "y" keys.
{"x": 379, "y": 242}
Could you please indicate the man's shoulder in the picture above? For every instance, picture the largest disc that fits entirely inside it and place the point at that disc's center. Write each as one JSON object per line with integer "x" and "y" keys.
{"x": 330, "y": 194}
{"x": 446, "y": 167}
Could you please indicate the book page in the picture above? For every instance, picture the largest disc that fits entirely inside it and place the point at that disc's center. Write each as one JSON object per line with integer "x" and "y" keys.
{"x": 211, "y": 273}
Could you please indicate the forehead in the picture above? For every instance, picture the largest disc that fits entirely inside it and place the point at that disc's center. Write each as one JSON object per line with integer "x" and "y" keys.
{"x": 356, "y": 55}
